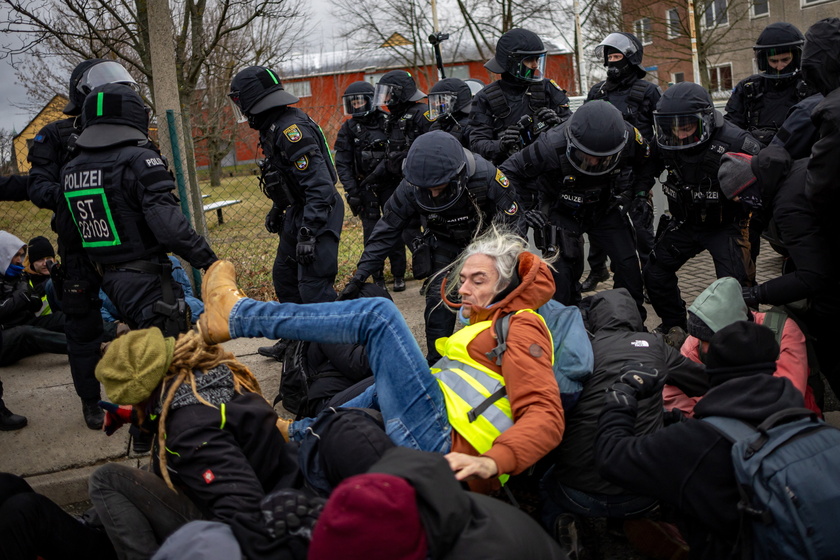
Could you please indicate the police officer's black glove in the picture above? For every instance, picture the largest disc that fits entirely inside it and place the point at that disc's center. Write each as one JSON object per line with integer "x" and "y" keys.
{"x": 290, "y": 512}
{"x": 642, "y": 210}
{"x": 645, "y": 381}
{"x": 752, "y": 295}
{"x": 548, "y": 117}
{"x": 622, "y": 201}
{"x": 355, "y": 203}
{"x": 305, "y": 247}
{"x": 274, "y": 220}
{"x": 395, "y": 162}
{"x": 352, "y": 289}
{"x": 510, "y": 140}
{"x": 378, "y": 174}
{"x": 535, "y": 219}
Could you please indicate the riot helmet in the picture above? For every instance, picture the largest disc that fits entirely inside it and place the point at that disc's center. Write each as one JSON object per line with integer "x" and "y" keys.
{"x": 90, "y": 74}
{"x": 521, "y": 54}
{"x": 821, "y": 55}
{"x": 632, "y": 51}
{"x": 436, "y": 167}
{"x": 778, "y": 51}
{"x": 396, "y": 88}
{"x": 475, "y": 85}
{"x": 595, "y": 136}
{"x": 255, "y": 90}
{"x": 113, "y": 114}
{"x": 358, "y": 99}
{"x": 449, "y": 96}
{"x": 685, "y": 117}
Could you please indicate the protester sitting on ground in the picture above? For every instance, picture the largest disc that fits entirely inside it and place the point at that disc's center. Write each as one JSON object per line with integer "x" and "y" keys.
{"x": 33, "y": 526}
{"x": 688, "y": 465}
{"x": 40, "y": 257}
{"x": 720, "y": 305}
{"x": 572, "y": 488}
{"x": 497, "y": 276}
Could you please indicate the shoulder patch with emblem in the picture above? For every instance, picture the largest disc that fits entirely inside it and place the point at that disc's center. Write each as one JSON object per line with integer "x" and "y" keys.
{"x": 513, "y": 209}
{"x": 293, "y": 133}
{"x": 302, "y": 163}
{"x": 39, "y": 138}
{"x": 428, "y": 118}
{"x": 501, "y": 179}
{"x": 154, "y": 162}
{"x": 552, "y": 82}
{"x": 751, "y": 146}
{"x": 639, "y": 138}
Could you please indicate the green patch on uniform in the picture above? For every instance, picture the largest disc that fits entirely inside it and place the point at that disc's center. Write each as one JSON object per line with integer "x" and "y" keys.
{"x": 302, "y": 163}
{"x": 293, "y": 133}
{"x": 511, "y": 211}
{"x": 428, "y": 117}
{"x": 501, "y": 179}
{"x": 639, "y": 138}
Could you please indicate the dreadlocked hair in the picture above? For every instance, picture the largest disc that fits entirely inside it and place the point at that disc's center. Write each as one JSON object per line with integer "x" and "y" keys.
{"x": 191, "y": 354}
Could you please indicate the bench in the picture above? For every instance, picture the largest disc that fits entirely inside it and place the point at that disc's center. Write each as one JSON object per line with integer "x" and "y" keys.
{"x": 217, "y": 206}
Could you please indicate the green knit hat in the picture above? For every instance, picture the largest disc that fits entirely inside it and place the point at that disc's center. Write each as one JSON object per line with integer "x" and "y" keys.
{"x": 134, "y": 365}
{"x": 718, "y": 306}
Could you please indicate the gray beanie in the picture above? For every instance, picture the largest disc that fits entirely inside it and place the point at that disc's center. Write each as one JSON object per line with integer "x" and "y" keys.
{"x": 735, "y": 174}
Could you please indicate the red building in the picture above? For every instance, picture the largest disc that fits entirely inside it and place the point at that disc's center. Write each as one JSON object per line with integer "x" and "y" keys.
{"x": 319, "y": 80}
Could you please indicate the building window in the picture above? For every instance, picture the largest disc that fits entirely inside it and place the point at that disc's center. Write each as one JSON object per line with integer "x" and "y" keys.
{"x": 760, "y": 8}
{"x": 812, "y": 2}
{"x": 462, "y": 71}
{"x": 716, "y": 14}
{"x": 642, "y": 30}
{"x": 677, "y": 77}
{"x": 298, "y": 89}
{"x": 720, "y": 78}
{"x": 673, "y": 18}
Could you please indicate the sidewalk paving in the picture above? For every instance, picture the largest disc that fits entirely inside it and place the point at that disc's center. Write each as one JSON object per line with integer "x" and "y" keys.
{"x": 56, "y": 452}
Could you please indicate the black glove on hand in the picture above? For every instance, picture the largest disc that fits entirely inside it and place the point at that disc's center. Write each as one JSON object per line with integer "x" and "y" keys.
{"x": 644, "y": 380}
{"x": 352, "y": 289}
{"x": 548, "y": 117}
{"x": 379, "y": 172}
{"x": 355, "y": 203}
{"x": 511, "y": 139}
{"x": 535, "y": 219}
{"x": 305, "y": 247}
{"x": 621, "y": 394}
{"x": 274, "y": 220}
{"x": 751, "y": 295}
{"x": 642, "y": 209}
{"x": 394, "y": 163}
{"x": 35, "y": 303}
{"x": 290, "y": 512}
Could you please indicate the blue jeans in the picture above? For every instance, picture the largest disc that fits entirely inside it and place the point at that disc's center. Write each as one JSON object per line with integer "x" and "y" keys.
{"x": 406, "y": 393}
{"x": 558, "y": 499}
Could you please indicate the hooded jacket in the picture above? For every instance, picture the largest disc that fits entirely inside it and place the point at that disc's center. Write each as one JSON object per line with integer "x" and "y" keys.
{"x": 16, "y": 305}
{"x": 529, "y": 378}
{"x": 688, "y": 465}
{"x": 618, "y": 336}
{"x": 461, "y": 524}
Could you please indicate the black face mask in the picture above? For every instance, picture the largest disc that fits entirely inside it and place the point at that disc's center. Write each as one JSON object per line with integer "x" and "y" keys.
{"x": 617, "y": 70}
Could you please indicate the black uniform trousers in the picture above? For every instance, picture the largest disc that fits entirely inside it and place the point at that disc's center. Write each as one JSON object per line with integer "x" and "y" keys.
{"x": 729, "y": 250}
{"x": 312, "y": 283}
{"x": 611, "y": 230}
{"x": 439, "y": 319}
{"x": 374, "y": 201}
{"x": 641, "y": 214}
{"x": 135, "y": 293}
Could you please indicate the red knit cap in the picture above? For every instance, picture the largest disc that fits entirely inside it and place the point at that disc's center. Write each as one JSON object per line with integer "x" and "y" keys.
{"x": 370, "y": 517}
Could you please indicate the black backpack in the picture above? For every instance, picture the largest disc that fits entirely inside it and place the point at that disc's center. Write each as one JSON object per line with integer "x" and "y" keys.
{"x": 296, "y": 378}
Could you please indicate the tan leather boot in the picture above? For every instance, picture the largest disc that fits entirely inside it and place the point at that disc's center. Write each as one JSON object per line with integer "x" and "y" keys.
{"x": 219, "y": 293}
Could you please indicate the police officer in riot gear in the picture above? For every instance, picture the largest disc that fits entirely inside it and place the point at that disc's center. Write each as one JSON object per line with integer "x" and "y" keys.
{"x": 587, "y": 171}
{"x": 299, "y": 177}
{"x": 450, "y": 101}
{"x": 692, "y": 136}
{"x": 454, "y": 194}
{"x": 759, "y": 104}
{"x": 51, "y": 149}
{"x": 361, "y": 145}
{"x": 636, "y": 98}
{"x": 119, "y": 204}
{"x": 513, "y": 110}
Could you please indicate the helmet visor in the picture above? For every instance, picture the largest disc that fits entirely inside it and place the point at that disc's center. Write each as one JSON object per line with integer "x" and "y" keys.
{"x": 358, "y": 104}
{"x": 442, "y": 103}
{"x": 233, "y": 98}
{"x": 589, "y": 164}
{"x": 438, "y": 199}
{"x": 104, "y": 73}
{"x": 386, "y": 94}
{"x": 617, "y": 41}
{"x": 531, "y": 66}
{"x": 778, "y": 62}
{"x": 678, "y": 132}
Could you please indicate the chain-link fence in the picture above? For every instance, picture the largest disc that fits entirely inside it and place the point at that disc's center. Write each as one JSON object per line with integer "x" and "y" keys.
{"x": 233, "y": 211}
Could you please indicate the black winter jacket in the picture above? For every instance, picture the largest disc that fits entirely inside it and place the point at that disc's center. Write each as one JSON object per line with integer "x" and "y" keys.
{"x": 461, "y": 524}
{"x": 618, "y": 336}
{"x": 688, "y": 465}
{"x": 824, "y": 165}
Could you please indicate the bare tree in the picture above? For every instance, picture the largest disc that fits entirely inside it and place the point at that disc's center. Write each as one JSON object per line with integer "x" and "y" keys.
{"x": 7, "y": 164}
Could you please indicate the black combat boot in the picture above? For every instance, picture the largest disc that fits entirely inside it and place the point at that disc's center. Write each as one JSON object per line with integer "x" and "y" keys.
{"x": 399, "y": 284}
{"x": 94, "y": 416}
{"x": 595, "y": 277}
{"x": 10, "y": 421}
